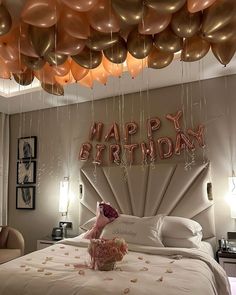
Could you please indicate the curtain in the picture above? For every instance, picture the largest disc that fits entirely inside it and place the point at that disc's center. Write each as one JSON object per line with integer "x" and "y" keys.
{"x": 4, "y": 166}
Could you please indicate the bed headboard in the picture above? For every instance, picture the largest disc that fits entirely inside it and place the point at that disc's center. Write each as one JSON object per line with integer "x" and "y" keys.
{"x": 149, "y": 190}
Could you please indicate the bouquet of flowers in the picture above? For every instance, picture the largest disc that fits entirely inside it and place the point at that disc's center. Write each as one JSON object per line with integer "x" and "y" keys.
{"x": 104, "y": 253}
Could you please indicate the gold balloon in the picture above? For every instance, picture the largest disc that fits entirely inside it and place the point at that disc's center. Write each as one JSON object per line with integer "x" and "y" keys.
{"x": 5, "y": 20}
{"x": 99, "y": 41}
{"x": 186, "y": 24}
{"x": 33, "y": 63}
{"x": 166, "y": 6}
{"x": 139, "y": 46}
{"x": 25, "y": 78}
{"x": 55, "y": 89}
{"x": 158, "y": 59}
{"x": 42, "y": 39}
{"x": 117, "y": 53}
{"x": 168, "y": 41}
{"x": 217, "y": 16}
{"x": 224, "y": 51}
{"x": 55, "y": 58}
{"x": 224, "y": 34}
{"x": 129, "y": 11}
{"x": 88, "y": 58}
{"x": 194, "y": 49}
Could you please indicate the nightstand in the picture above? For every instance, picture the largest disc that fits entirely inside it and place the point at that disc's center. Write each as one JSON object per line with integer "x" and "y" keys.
{"x": 45, "y": 242}
{"x": 227, "y": 260}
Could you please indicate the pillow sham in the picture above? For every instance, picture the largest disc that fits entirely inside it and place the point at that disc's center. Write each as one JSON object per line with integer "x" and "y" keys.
{"x": 191, "y": 242}
{"x": 179, "y": 227}
{"x": 88, "y": 224}
{"x": 135, "y": 230}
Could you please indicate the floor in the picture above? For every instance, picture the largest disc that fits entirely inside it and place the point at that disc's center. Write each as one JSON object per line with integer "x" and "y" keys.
{"x": 233, "y": 285}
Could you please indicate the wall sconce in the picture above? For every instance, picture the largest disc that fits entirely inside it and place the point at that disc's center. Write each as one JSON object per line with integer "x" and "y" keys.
{"x": 64, "y": 196}
{"x": 232, "y": 195}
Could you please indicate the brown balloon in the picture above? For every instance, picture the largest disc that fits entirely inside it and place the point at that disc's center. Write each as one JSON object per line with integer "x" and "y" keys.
{"x": 139, "y": 46}
{"x": 224, "y": 51}
{"x": 33, "y": 63}
{"x": 26, "y": 46}
{"x": 226, "y": 33}
{"x": 5, "y": 20}
{"x": 15, "y": 66}
{"x": 77, "y": 71}
{"x": 218, "y": 15}
{"x": 42, "y": 39}
{"x": 25, "y": 78}
{"x": 55, "y": 58}
{"x": 55, "y": 89}
{"x": 168, "y": 41}
{"x": 89, "y": 59}
{"x": 186, "y": 24}
{"x": 80, "y": 5}
{"x": 158, "y": 59}
{"x": 167, "y": 6}
{"x": 117, "y": 53}
{"x": 129, "y": 11}
{"x": 99, "y": 41}
{"x": 194, "y": 49}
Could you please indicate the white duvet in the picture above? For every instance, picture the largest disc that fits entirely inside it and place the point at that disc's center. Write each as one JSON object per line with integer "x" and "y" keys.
{"x": 62, "y": 269}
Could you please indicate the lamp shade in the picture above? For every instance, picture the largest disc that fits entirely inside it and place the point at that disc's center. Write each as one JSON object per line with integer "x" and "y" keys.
{"x": 64, "y": 195}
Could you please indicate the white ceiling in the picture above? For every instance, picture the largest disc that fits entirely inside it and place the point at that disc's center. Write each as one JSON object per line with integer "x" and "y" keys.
{"x": 20, "y": 99}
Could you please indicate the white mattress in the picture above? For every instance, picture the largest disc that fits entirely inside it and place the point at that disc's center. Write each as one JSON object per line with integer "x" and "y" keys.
{"x": 62, "y": 269}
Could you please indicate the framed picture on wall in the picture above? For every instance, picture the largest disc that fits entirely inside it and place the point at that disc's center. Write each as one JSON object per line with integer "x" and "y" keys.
{"x": 26, "y": 172}
{"x": 25, "y": 197}
{"x": 27, "y": 148}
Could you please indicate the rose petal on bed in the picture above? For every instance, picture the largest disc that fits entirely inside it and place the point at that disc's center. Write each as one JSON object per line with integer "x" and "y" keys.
{"x": 66, "y": 264}
{"x": 40, "y": 270}
{"x": 62, "y": 247}
{"x": 147, "y": 262}
{"x": 29, "y": 259}
{"x": 160, "y": 279}
{"x": 81, "y": 272}
{"x": 23, "y": 265}
{"x": 126, "y": 291}
{"x": 134, "y": 280}
{"x": 48, "y": 273}
{"x": 76, "y": 249}
{"x": 144, "y": 269}
{"x": 119, "y": 269}
{"x": 49, "y": 258}
{"x": 27, "y": 269}
{"x": 177, "y": 257}
{"x": 108, "y": 279}
{"x": 77, "y": 257}
{"x": 140, "y": 258}
{"x": 169, "y": 270}
{"x": 172, "y": 261}
{"x": 66, "y": 253}
{"x": 44, "y": 262}
{"x": 52, "y": 249}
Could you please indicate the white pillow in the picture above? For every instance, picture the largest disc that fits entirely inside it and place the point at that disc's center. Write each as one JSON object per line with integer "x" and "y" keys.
{"x": 191, "y": 242}
{"x": 88, "y": 224}
{"x": 135, "y": 230}
{"x": 179, "y": 227}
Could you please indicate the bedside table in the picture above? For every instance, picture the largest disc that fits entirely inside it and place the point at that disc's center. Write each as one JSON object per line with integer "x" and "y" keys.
{"x": 227, "y": 260}
{"x": 45, "y": 242}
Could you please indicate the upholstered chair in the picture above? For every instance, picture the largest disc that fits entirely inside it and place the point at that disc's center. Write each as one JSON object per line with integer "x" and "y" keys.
{"x": 11, "y": 244}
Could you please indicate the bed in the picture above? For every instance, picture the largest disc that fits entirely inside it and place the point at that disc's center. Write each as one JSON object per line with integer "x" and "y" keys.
{"x": 167, "y": 189}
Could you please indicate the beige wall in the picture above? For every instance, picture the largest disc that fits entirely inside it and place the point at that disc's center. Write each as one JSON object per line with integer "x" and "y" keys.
{"x": 61, "y": 131}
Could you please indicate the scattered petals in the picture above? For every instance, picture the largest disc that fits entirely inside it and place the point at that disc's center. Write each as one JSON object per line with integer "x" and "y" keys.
{"x": 169, "y": 270}
{"x": 27, "y": 269}
{"x": 172, "y": 261}
{"x": 144, "y": 269}
{"x": 29, "y": 259}
{"x": 119, "y": 269}
{"x": 49, "y": 258}
{"x": 81, "y": 272}
{"x": 40, "y": 270}
{"x": 77, "y": 257}
{"x": 160, "y": 279}
{"x": 108, "y": 279}
{"x": 52, "y": 249}
{"x": 134, "y": 280}
{"x": 76, "y": 249}
{"x": 126, "y": 291}
{"x": 23, "y": 265}
{"x": 62, "y": 247}
{"x": 140, "y": 258}
{"x": 147, "y": 262}
{"x": 177, "y": 257}
{"x": 48, "y": 273}
{"x": 67, "y": 264}
{"x": 66, "y": 253}
{"x": 44, "y": 262}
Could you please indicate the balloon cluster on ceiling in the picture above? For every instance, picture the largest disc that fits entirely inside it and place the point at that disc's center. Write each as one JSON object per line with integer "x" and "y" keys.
{"x": 63, "y": 41}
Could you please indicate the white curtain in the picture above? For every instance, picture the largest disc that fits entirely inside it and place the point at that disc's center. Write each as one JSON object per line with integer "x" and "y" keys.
{"x": 4, "y": 166}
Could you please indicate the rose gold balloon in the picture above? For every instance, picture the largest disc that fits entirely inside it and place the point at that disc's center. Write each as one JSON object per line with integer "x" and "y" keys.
{"x": 224, "y": 34}
{"x": 198, "y": 5}
{"x": 100, "y": 74}
{"x": 130, "y": 129}
{"x": 8, "y": 51}
{"x": 130, "y": 148}
{"x": 46, "y": 75}
{"x": 113, "y": 133}
{"x": 218, "y": 15}
{"x": 183, "y": 142}
{"x": 158, "y": 59}
{"x": 114, "y": 69}
{"x": 186, "y": 24}
{"x": 67, "y": 44}
{"x": 26, "y": 47}
{"x": 153, "y": 124}
{"x": 139, "y": 45}
{"x": 75, "y": 24}
{"x": 165, "y": 147}
{"x": 15, "y": 66}
{"x": 14, "y": 7}
{"x": 55, "y": 89}
{"x": 168, "y": 41}
{"x": 87, "y": 81}
{"x": 194, "y": 49}
{"x": 77, "y": 71}
{"x": 63, "y": 69}
{"x": 114, "y": 153}
{"x": 148, "y": 150}
{"x": 85, "y": 150}
{"x": 175, "y": 119}
{"x": 198, "y": 135}
{"x": 4, "y": 71}
{"x": 224, "y": 51}
{"x": 166, "y": 6}
{"x": 80, "y": 5}
{"x": 135, "y": 66}
{"x": 65, "y": 80}
{"x": 96, "y": 131}
{"x": 98, "y": 157}
{"x": 153, "y": 22}
{"x": 40, "y": 13}
{"x": 102, "y": 17}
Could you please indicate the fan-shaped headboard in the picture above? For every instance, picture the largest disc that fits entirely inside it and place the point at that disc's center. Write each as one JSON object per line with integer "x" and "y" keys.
{"x": 149, "y": 190}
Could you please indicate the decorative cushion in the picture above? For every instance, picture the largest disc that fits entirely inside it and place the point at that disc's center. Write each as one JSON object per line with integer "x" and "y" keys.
{"x": 3, "y": 237}
{"x": 191, "y": 242}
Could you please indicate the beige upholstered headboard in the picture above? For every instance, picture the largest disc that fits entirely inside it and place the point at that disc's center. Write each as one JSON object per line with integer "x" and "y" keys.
{"x": 148, "y": 190}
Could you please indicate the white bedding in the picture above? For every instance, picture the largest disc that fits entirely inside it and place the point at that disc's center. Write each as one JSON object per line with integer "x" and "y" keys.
{"x": 62, "y": 270}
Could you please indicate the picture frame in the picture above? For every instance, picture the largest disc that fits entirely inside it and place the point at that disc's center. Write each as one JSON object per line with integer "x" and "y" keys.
{"x": 25, "y": 197}
{"x": 27, "y": 148}
{"x": 26, "y": 172}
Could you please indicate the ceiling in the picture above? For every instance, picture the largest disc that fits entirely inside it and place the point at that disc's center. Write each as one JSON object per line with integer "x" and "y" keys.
{"x": 16, "y": 99}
